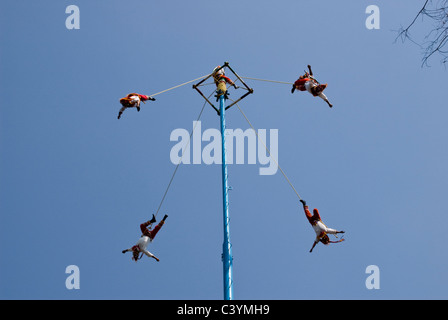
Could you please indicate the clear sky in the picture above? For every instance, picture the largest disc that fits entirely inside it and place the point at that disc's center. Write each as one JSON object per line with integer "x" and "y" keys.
{"x": 75, "y": 182}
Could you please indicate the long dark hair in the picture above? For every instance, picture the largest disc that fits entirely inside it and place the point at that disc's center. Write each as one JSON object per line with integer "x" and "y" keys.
{"x": 135, "y": 256}
{"x": 325, "y": 239}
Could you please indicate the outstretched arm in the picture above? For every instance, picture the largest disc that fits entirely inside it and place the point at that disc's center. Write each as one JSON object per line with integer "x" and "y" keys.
{"x": 333, "y": 231}
{"x": 150, "y": 255}
{"x": 309, "y": 68}
{"x": 228, "y": 80}
{"x": 314, "y": 244}
{"x": 121, "y": 111}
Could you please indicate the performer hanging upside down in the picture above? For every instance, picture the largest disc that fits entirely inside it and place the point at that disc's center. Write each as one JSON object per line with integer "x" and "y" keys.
{"x": 308, "y": 83}
{"x": 147, "y": 237}
{"x": 319, "y": 227}
{"x": 133, "y": 100}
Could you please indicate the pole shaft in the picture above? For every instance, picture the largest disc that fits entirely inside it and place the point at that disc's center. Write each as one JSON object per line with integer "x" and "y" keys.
{"x": 227, "y": 257}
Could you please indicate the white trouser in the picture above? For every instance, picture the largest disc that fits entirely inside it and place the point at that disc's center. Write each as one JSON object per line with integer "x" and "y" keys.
{"x": 309, "y": 85}
{"x": 319, "y": 227}
{"x": 142, "y": 243}
{"x": 135, "y": 100}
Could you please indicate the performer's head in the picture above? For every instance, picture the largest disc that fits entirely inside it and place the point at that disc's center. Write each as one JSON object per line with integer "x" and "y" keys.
{"x": 218, "y": 71}
{"x": 325, "y": 239}
{"x": 135, "y": 254}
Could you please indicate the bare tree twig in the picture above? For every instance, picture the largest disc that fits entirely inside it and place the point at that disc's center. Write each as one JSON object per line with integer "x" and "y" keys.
{"x": 437, "y": 38}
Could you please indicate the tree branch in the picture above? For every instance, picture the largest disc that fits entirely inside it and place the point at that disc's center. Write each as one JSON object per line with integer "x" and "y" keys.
{"x": 437, "y": 38}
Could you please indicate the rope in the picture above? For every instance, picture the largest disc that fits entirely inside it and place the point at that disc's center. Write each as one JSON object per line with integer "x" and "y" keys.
{"x": 191, "y": 134}
{"x": 180, "y": 85}
{"x": 268, "y": 80}
{"x": 180, "y": 160}
{"x": 267, "y": 149}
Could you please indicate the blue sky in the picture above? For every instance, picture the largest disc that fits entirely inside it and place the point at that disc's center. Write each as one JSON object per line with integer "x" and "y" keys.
{"x": 76, "y": 182}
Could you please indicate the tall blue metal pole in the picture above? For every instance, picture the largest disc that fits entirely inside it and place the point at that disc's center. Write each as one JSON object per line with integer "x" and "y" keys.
{"x": 227, "y": 257}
